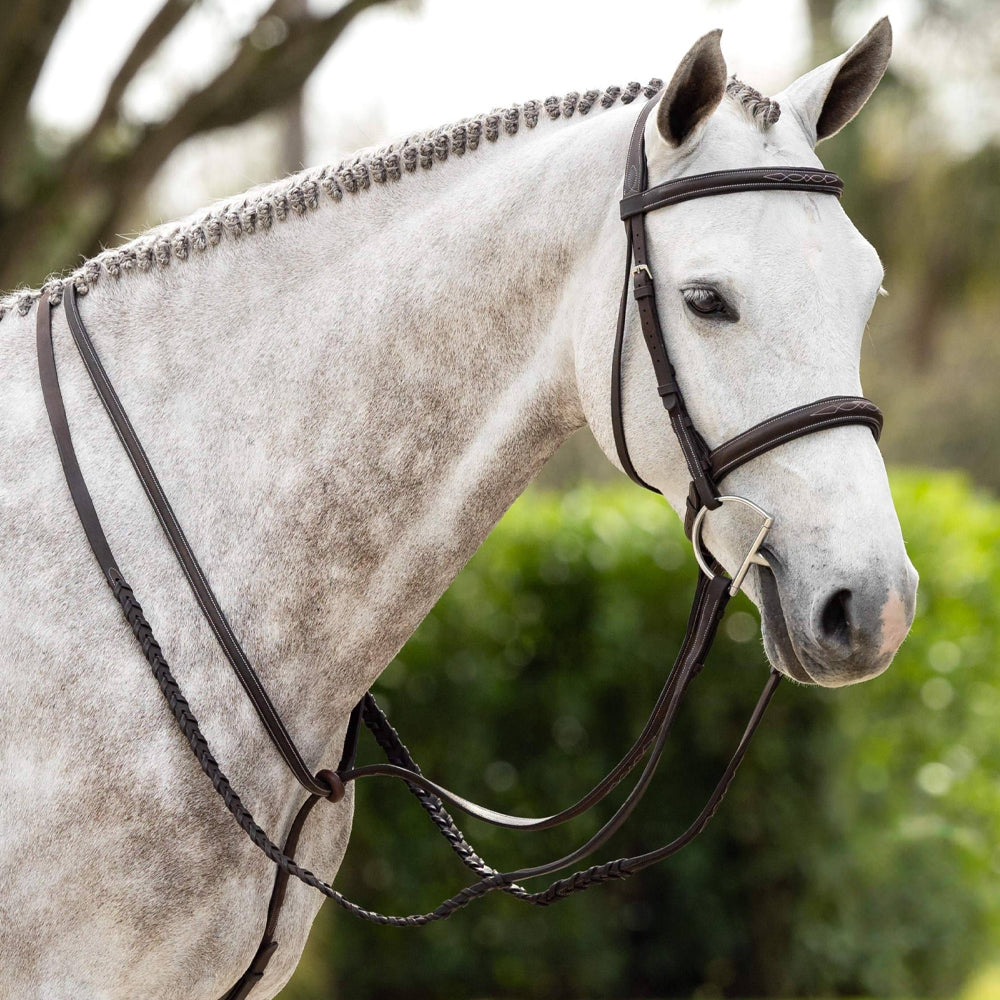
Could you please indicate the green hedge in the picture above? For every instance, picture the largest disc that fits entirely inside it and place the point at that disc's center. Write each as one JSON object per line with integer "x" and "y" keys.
{"x": 856, "y": 851}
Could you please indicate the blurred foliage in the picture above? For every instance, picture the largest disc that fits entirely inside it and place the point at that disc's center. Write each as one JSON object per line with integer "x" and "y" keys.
{"x": 62, "y": 195}
{"x": 856, "y": 853}
{"x": 931, "y": 355}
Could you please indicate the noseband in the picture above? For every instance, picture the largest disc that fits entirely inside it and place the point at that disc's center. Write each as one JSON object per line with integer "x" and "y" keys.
{"x": 707, "y": 468}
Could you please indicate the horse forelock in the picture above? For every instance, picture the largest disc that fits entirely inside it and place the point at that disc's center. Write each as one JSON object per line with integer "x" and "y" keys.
{"x": 760, "y": 110}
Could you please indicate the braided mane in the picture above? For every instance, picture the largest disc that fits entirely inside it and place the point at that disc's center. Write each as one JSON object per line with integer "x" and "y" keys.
{"x": 258, "y": 210}
{"x": 760, "y": 110}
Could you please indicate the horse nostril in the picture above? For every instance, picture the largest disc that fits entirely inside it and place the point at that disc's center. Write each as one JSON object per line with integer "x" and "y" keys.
{"x": 835, "y": 620}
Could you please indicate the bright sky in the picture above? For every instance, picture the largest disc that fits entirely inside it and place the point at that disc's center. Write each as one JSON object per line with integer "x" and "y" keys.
{"x": 458, "y": 57}
{"x": 395, "y": 72}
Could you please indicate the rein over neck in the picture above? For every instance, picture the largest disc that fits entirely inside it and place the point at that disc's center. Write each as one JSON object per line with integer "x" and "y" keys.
{"x": 706, "y": 467}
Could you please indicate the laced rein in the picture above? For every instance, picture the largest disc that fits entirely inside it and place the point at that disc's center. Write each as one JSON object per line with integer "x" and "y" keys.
{"x": 710, "y": 601}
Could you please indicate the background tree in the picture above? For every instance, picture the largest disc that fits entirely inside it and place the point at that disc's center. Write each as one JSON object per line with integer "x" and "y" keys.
{"x": 60, "y": 199}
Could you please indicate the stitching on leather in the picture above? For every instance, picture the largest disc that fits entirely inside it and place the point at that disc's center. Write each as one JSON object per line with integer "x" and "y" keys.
{"x": 747, "y": 179}
{"x": 806, "y": 407}
{"x": 783, "y": 439}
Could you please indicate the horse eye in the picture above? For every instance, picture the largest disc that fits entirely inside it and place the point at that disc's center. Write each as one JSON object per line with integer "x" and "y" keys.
{"x": 707, "y": 301}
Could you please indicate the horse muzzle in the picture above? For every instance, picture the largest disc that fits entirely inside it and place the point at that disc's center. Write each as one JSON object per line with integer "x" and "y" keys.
{"x": 843, "y": 633}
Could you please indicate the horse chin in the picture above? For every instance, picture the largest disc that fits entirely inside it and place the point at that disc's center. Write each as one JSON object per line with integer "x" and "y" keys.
{"x": 778, "y": 643}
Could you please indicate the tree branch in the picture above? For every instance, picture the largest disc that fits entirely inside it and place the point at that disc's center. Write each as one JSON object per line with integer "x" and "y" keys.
{"x": 19, "y": 26}
{"x": 28, "y": 33}
{"x": 111, "y": 182}
{"x": 28, "y": 41}
{"x": 258, "y": 80}
{"x": 162, "y": 24}
{"x": 255, "y": 81}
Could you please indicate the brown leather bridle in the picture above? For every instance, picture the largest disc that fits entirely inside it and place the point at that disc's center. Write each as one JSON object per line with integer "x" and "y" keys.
{"x": 707, "y": 468}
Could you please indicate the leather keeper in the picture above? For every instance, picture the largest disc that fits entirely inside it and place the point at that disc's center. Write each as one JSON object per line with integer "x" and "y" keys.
{"x": 335, "y": 783}
{"x": 690, "y": 511}
{"x": 668, "y": 392}
{"x": 703, "y": 493}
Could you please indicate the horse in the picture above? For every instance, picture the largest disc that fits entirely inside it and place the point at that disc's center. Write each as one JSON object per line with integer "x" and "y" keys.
{"x": 344, "y": 379}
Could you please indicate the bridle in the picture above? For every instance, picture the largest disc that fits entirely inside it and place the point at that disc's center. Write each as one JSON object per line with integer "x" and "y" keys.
{"x": 707, "y": 468}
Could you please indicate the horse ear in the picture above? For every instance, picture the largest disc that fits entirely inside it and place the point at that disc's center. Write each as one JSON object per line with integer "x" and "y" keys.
{"x": 695, "y": 90}
{"x": 828, "y": 97}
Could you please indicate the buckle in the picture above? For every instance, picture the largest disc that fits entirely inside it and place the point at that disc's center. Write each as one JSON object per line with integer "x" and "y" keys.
{"x": 753, "y": 555}
{"x": 642, "y": 288}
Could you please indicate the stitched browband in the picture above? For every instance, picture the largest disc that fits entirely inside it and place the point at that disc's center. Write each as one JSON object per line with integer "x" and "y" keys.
{"x": 732, "y": 182}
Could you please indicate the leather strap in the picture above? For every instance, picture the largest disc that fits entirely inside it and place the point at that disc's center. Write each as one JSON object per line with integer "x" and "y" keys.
{"x": 694, "y": 449}
{"x": 269, "y": 945}
{"x": 617, "y": 417}
{"x": 831, "y": 411}
{"x": 813, "y": 179}
{"x": 64, "y": 443}
{"x": 200, "y": 587}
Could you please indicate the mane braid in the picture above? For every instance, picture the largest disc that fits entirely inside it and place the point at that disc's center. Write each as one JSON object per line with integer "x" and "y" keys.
{"x": 258, "y": 210}
{"x": 762, "y": 111}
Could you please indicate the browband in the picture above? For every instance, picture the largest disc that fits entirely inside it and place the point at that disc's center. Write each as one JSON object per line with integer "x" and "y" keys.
{"x": 732, "y": 182}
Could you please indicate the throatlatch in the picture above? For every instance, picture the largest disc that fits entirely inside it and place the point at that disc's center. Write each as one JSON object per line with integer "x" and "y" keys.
{"x": 707, "y": 468}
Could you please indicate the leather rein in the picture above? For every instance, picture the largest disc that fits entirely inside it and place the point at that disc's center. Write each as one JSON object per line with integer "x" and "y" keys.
{"x": 707, "y": 467}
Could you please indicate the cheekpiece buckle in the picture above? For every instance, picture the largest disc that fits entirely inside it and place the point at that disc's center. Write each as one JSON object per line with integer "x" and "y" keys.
{"x": 753, "y": 556}
{"x": 642, "y": 288}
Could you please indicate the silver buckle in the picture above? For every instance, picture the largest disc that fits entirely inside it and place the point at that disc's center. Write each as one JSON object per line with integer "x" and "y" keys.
{"x": 753, "y": 556}
{"x": 642, "y": 267}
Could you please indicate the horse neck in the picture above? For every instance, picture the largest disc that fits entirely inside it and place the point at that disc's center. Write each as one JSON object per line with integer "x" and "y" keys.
{"x": 342, "y": 408}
